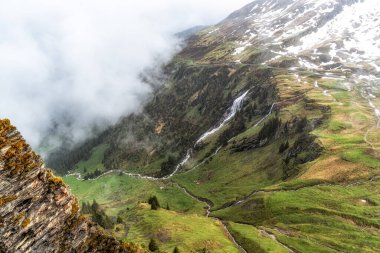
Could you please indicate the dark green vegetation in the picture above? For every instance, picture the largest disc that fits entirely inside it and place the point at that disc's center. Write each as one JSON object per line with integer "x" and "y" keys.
{"x": 295, "y": 169}
{"x": 98, "y": 215}
{"x": 174, "y": 119}
{"x": 154, "y": 204}
{"x": 315, "y": 219}
{"x": 153, "y": 246}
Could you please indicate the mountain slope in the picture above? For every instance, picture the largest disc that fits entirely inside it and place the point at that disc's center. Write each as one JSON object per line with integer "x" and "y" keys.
{"x": 269, "y": 119}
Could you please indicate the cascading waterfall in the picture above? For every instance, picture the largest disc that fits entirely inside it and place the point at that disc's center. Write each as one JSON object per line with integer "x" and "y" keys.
{"x": 205, "y": 160}
{"x": 184, "y": 160}
{"x": 231, "y": 112}
{"x": 266, "y": 116}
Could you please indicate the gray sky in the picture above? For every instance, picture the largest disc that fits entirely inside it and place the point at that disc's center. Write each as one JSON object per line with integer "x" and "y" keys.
{"x": 80, "y": 60}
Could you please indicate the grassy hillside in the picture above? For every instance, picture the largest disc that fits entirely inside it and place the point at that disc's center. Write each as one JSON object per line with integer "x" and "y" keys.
{"x": 313, "y": 196}
{"x": 94, "y": 163}
{"x": 295, "y": 170}
{"x": 189, "y": 232}
{"x": 183, "y": 225}
{"x": 315, "y": 219}
{"x": 255, "y": 240}
{"x": 117, "y": 193}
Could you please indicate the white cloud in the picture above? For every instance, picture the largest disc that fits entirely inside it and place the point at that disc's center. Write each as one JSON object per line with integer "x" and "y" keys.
{"x": 80, "y": 60}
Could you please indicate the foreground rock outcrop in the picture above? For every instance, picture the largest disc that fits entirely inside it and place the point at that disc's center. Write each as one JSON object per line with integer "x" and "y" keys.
{"x": 37, "y": 211}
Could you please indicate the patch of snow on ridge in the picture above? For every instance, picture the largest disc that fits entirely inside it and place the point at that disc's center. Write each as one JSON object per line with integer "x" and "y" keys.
{"x": 307, "y": 64}
{"x": 376, "y": 110}
{"x": 254, "y": 7}
{"x": 358, "y": 22}
{"x": 240, "y": 50}
{"x": 377, "y": 68}
{"x": 244, "y": 44}
{"x": 211, "y": 32}
{"x": 332, "y": 52}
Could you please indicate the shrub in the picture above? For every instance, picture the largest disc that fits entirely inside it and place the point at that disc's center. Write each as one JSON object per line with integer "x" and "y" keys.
{"x": 168, "y": 165}
{"x": 301, "y": 124}
{"x": 269, "y": 129}
{"x": 284, "y": 146}
{"x": 98, "y": 215}
{"x": 119, "y": 220}
{"x": 153, "y": 246}
{"x": 153, "y": 201}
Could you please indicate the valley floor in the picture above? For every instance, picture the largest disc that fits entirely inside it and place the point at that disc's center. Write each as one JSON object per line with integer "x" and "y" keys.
{"x": 240, "y": 202}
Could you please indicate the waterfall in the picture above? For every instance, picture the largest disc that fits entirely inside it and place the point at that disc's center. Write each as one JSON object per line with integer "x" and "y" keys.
{"x": 184, "y": 160}
{"x": 231, "y": 112}
{"x": 266, "y": 116}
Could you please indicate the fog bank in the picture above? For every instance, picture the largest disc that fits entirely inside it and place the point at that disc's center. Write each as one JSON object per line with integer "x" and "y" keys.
{"x": 69, "y": 65}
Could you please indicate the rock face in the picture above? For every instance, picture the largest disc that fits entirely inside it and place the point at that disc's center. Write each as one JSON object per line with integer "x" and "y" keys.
{"x": 37, "y": 211}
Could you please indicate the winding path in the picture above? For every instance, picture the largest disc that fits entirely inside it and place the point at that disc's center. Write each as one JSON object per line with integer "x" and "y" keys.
{"x": 209, "y": 205}
{"x": 377, "y": 116}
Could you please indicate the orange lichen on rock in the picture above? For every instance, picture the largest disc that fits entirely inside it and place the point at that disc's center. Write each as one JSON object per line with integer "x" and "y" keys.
{"x": 25, "y": 222}
{"x": 16, "y": 153}
{"x": 6, "y": 199}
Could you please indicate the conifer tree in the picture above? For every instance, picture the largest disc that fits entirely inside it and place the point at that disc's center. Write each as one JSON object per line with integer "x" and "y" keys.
{"x": 119, "y": 220}
{"x": 153, "y": 201}
{"x": 153, "y": 246}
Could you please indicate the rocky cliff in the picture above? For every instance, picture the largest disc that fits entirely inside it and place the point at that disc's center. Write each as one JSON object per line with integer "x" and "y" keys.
{"x": 37, "y": 211}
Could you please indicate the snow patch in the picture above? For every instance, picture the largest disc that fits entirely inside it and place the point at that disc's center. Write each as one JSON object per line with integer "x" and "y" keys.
{"x": 240, "y": 50}
{"x": 254, "y": 7}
